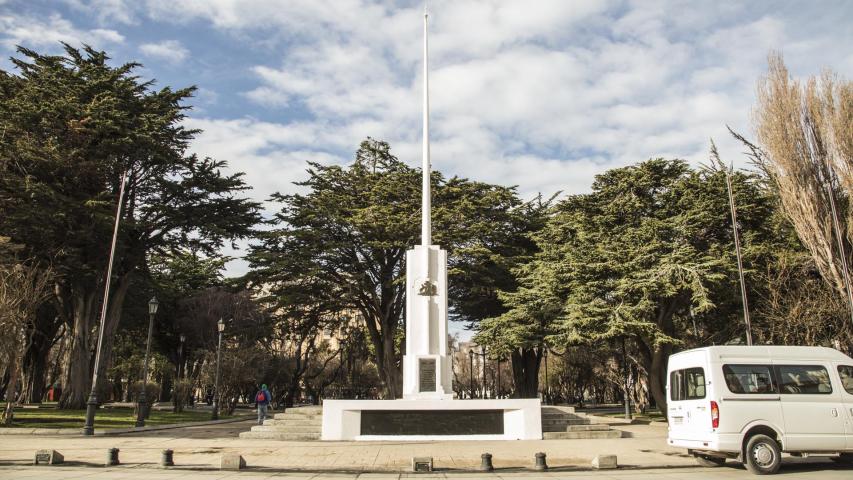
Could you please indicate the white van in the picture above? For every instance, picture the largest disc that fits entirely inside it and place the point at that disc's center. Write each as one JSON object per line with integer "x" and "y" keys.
{"x": 752, "y": 403}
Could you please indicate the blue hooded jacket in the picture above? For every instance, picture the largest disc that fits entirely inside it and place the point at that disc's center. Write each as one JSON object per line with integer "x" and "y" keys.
{"x": 267, "y": 396}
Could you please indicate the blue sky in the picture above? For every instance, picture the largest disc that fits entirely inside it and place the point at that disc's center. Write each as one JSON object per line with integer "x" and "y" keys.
{"x": 540, "y": 94}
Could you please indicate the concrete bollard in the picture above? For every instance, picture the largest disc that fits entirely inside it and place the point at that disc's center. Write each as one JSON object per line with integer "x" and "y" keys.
{"x": 486, "y": 462}
{"x": 231, "y": 461}
{"x": 48, "y": 457}
{"x": 604, "y": 462}
{"x": 112, "y": 457}
{"x": 540, "y": 462}
{"x": 167, "y": 459}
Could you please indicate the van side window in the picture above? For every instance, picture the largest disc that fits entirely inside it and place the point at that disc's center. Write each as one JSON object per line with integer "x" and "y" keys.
{"x": 846, "y": 374}
{"x": 803, "y": 379}
{"x": 749, "y": 379}
{"x": 687, "y": 384}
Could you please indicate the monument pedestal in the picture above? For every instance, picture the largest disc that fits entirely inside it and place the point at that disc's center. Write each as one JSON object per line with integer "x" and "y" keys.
{"x": 501, "y": 419}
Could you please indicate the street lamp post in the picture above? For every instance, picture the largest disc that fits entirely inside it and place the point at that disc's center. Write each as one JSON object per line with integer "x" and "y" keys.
{"x": 471, "y": 371}
{"x": 92, "y": 402}
{"x": 483, "y": 352}
{"x": 499, "y": 378}
{"x": 546, "y": 390}
{"x": 142, "y": 401}
{"x": 627, "y": 382}
{"x": 220, "y": 325}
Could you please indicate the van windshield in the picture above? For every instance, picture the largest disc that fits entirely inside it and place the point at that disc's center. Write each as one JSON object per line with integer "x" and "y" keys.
{"x": 754, "y": 379}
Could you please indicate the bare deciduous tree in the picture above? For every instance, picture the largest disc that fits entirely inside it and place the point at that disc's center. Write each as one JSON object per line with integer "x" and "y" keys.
{"x": 805, "y": 132}
{"x": 23, "y": 287}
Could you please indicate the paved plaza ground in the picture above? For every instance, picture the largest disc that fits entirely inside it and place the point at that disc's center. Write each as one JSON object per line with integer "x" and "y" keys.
{"x": 643, "y": 454}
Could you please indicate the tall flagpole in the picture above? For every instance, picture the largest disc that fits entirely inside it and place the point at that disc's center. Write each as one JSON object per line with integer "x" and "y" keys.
{"x": 426, "y": 226}
{"x": 739, "y": 261}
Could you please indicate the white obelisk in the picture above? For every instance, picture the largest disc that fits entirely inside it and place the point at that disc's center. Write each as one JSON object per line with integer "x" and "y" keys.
{"x": 426, "y": 364}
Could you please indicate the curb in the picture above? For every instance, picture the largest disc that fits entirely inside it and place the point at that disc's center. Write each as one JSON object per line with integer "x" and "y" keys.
{"x": 117, "y": 431}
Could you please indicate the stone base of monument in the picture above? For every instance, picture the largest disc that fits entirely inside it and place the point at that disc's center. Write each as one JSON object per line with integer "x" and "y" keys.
{"x": 501, "y": 419}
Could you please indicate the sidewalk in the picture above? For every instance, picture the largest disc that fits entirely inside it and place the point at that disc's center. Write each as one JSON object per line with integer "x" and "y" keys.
{"x": 644, "y": 446}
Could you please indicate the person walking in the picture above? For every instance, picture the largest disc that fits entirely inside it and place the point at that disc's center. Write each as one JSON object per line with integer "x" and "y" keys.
{"x": 262, "y": 400}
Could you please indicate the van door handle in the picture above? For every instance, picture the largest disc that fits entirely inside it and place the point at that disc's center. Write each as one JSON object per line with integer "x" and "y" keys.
{"x": 834, "y": 412}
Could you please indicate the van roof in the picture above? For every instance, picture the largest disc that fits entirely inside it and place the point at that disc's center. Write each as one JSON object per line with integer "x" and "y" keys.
{"x": 773, "y": 351}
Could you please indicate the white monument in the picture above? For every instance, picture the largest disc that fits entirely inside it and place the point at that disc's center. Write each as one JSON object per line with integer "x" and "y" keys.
{"x": 428, "y": 410}
{"x": 426, "y": 364}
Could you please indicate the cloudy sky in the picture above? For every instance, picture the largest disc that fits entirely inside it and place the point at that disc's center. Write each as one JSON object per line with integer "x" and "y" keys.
{"x": 542, "y": 94}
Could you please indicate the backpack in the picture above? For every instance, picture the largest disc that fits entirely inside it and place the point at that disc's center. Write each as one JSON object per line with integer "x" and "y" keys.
{"x": 261, "y": 397}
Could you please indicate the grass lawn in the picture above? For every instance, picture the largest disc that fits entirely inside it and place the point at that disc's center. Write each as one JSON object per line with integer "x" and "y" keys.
{"x": 105, "y": 418}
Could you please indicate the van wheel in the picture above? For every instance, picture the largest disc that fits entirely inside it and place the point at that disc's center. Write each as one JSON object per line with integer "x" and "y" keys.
{"x": 763, "y": 455}
{"x": 708, "y": 461}
{"x": 844, "y": 458}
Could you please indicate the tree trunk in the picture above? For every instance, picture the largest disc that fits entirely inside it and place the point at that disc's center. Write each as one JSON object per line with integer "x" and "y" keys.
{"x": 525, "y": 372}
{"x": 390, "y": 370}
{"x": 657, "y": 376}
{"x": 11, "y": 391}
{"x": 42, "y": 339}
{"x": 78, "y": 381}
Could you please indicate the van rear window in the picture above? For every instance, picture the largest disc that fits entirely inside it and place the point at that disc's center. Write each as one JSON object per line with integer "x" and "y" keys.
{"x": 687, "y": 384}
{"x": 749, "y": 379}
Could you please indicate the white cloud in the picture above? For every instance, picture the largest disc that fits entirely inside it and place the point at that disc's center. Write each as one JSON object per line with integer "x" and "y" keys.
{"x": 48, "y": 32}
{"x": 105, "y": 11}
{"x": 171, "y": 51}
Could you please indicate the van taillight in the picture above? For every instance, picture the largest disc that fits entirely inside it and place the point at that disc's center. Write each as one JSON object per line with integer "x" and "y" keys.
{"x": 715, "y": 415}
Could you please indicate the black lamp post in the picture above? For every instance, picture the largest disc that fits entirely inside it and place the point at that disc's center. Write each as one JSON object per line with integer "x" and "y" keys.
{"x": 220, "y": 325}
{"x": 483, "y": 353}
{"x": 92, "y": 402}
{"x": 499, "y": 378}
{"x": 546, "y": 390}
{"x": 627, "y": 382}
{"x": 471, "y": 370}
{"x": 143, "y": 401}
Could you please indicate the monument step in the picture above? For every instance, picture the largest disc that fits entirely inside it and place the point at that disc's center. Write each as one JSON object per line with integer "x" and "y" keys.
{"x": 294, "y": 421}
{"x": 286, "y": 429}
{"x": 560, "y": 415}
{"x": 566, "y": 421}
{"x": 288, "y": 414}
{"x": 587, "y": 435}
{"x": 557, "y": 409}
{"x": 574, "y": 428}
{"x": 280, "y": 435}
{"x": 588, "y": 428}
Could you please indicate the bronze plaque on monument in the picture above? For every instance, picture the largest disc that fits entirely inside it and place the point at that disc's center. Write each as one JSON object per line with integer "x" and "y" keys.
{"x": 426, "y": 374}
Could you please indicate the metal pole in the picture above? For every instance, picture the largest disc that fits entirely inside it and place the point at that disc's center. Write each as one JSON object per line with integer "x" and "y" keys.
{"x": 499, "y": 378}
{"x": 140, "y": 407}
{"x": 627, "y": 382}
{"x": 739, "y": 260}
{"x": 92, "y": 403}
{"x": 483, "y": 351}
{"x": 215, "y": 414}
{"x": 547, "y": 389}
{"x": 471, "y": 371}
{"x": 426, "y": 221}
